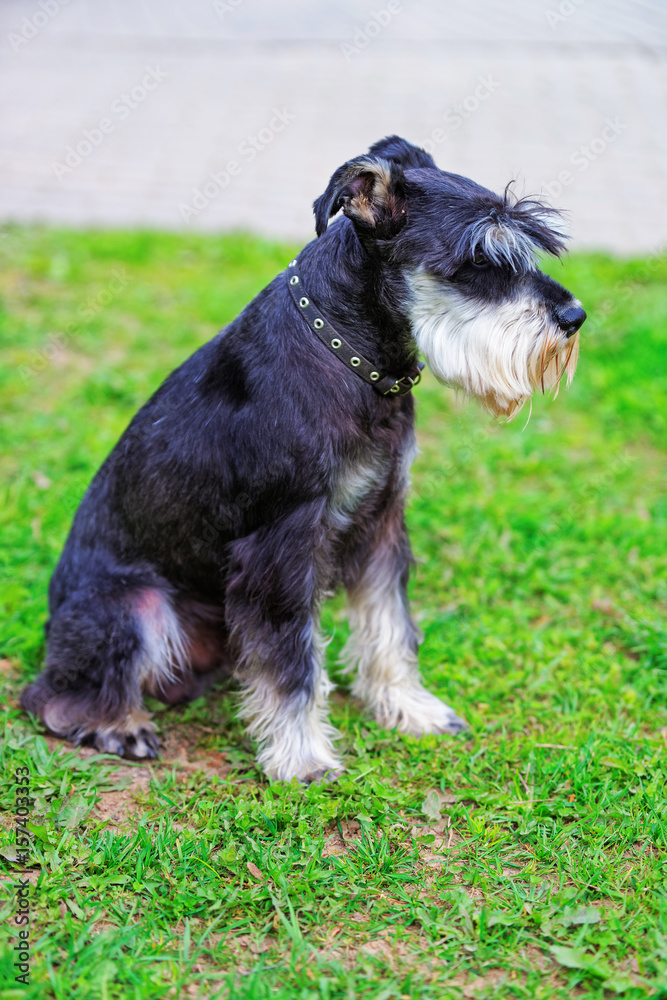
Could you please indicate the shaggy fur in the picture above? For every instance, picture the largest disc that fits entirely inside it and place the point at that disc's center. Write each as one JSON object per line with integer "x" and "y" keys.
{"x": 264, "y": 474}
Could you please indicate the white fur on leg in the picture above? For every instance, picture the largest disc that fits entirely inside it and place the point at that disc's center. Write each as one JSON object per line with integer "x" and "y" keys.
{"x": 382, "y": 648}
{"x": 164, "y": 646}
{"x": 295, "y": 737}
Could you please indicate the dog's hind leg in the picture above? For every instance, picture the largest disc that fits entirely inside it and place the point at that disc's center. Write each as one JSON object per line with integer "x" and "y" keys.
{"x": 271, "y": 607}
{"x": 104, "y": 646}
{"x": 383, "y": 638}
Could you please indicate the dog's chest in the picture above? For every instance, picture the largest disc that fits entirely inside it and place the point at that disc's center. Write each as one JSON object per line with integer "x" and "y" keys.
{"x": 358, "y": 481}
{"x": 352, "y": 484}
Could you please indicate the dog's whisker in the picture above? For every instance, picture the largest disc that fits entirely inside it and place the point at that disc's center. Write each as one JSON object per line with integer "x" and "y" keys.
{"x": 569, "y": 364}
{"x": 543, "y": 365}
{"x": 530, "y": 413}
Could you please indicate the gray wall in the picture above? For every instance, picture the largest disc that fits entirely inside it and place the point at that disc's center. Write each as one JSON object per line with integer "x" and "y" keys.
{"x": 567, "y": 96}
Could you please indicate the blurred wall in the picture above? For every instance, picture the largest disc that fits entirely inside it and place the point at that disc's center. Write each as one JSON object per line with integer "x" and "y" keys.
{"x": 218, "y": 114}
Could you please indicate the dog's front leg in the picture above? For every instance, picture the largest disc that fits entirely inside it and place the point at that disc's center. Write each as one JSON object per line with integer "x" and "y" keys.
{"x": 272, "y": 613}
{"x": 383, "y": 639}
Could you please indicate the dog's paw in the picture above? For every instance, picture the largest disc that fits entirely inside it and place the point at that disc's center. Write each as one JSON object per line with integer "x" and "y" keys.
{"x": 134, "y": 738}
{"x": 71, "y": 716}
{"x": 416, "y": 711}
{"x": 322, "y": 775}
{"x": 306, "y": 768}
{"x": 137, "y": 745}
{"x": 306, "y": 772}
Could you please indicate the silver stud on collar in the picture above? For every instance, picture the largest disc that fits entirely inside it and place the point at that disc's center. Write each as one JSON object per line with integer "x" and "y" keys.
{"x": 366, "y": 372}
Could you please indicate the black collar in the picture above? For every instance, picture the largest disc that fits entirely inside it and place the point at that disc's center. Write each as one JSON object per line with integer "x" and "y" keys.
{"x": 385, "y": 384}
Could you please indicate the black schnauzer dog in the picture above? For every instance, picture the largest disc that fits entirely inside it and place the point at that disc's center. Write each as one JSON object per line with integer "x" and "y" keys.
{"x": 272, "y": 467}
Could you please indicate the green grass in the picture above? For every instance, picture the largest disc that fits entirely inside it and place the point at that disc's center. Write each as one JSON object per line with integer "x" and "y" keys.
{"x": 524, "y": 859}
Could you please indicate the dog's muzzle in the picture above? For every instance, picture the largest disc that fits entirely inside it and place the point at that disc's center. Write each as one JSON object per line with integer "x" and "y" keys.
{"x": 570, "y": 319}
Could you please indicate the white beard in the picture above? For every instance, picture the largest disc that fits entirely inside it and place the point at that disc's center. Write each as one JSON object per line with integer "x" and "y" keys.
{"x": 499, "y": 354}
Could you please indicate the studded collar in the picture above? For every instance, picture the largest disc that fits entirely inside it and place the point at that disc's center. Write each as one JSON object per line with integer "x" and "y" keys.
{"x": 385, "y": 385}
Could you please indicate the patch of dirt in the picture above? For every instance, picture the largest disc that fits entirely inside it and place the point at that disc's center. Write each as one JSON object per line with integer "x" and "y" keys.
{"x": 8, "y": 670}
{"x": 493, "y": 978}
{"x": 54, "y": 742}
{"x": 337, "y": 845}
{"x": 380, "y": 948}
{"x": 98, "y": 927}
{"x": 10, "y": 878}
{"x": 177, "y": 747}
{"x": 445, "y": 838}
{"x": 396, "y": 953}
{"x": 606, "y": 607}
{"x": 247, "y": 943}
{"x": 535, "y": 957}
{"x": 63, "y": 358}
{"x": 116, "y": 809}
{"x": 214, "y": 764}
{"x": 119, "y": 809}
{"x": 445, "y": 835}
{"x": 334, "y": 846}
{"x": 530, "y": 958}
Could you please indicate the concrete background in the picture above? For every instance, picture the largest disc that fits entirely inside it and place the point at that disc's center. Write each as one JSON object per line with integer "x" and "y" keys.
{"x": 523, "y": 90}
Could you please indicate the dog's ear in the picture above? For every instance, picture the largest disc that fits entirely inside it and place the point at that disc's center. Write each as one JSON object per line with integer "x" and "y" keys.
{"x": 402, "y": 152}
{"x": 370, "y": 191}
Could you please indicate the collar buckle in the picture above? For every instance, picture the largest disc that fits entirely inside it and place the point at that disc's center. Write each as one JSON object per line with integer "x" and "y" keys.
{"x": 406, "y": 383}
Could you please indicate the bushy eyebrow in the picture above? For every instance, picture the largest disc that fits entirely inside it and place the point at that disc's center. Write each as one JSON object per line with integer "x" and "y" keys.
{"x": 512, "y": 234}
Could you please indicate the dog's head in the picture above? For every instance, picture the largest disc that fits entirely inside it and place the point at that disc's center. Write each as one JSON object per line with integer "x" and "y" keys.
{"x": 465, "y": 263}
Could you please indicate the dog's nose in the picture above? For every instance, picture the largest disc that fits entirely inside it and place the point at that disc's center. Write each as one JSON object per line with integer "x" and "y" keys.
{"x": 570, "y": 319}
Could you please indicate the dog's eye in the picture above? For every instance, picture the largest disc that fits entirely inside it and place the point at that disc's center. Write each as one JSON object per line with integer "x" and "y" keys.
{"x": 479, "y": 260}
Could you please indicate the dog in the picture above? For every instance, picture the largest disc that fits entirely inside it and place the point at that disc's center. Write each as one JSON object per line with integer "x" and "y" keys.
{"x": 271, "y": 469}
